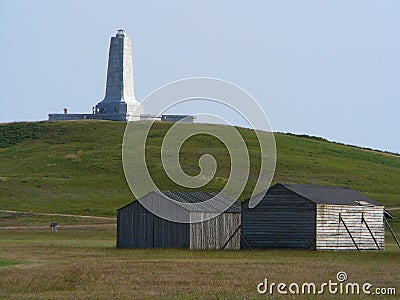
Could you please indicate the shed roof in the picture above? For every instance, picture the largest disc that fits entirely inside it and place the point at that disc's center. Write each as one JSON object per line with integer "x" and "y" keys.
{"x": 198, "y": 201}
{"x": 336, "y": 195}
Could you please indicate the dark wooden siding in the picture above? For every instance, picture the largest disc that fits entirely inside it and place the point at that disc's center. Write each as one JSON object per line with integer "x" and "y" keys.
{"x": 124, "y": 228}
{"x": 215, "y": 232}
{"x": 282, "y": 219}
{"x": 138, "y": 228}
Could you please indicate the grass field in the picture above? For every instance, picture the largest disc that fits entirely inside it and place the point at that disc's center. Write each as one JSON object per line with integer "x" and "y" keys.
{"x": 76, "y": 168}
{"x": 84, "y": 264}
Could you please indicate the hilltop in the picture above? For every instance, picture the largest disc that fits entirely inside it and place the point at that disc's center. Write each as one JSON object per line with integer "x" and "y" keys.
{"x": 76, "y": 167}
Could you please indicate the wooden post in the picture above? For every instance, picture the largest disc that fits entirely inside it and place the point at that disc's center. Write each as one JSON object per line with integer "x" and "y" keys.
{"x": 229, "y": 239}
{"x": 391, "y": 231}
{"x": 244, "y": 240}
{"x": 348, "y": 231}
{"x": 366, "y": 224}
{"x": 309, "y": 244}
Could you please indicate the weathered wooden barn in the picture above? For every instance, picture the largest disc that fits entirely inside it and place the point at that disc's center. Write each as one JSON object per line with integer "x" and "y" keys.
{"x": 313, "y": 217}
{"x": 139, "y": 228}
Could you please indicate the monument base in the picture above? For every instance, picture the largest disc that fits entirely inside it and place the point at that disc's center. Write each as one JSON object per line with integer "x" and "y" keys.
{"x": 75, "y": 117}
{"x": 122, "y": 117}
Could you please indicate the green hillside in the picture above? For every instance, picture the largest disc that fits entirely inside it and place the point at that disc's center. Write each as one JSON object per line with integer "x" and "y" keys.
{"x": 75, "y": 167}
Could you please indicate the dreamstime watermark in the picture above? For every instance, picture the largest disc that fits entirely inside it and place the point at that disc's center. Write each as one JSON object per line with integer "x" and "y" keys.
{"x": 334, "y": 287}
{"x": 209, "y": 90}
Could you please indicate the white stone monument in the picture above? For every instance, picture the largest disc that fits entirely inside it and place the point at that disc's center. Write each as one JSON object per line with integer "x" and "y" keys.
{"x": 119, "y": 103}
{"x": 120, "y": 95}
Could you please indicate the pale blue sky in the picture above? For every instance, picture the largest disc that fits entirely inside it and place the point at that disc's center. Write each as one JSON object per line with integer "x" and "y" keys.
{"x": 326, "y": 68}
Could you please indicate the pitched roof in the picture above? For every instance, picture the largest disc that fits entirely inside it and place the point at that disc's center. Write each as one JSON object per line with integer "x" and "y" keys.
{"x": 199, "y": 201}
{"x": 321, "y": 194}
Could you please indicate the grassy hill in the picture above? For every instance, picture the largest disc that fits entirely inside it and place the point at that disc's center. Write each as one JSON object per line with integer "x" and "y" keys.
{"x": 76, "y": 168}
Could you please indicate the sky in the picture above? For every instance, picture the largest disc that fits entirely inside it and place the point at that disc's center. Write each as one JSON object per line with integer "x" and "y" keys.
{"x": 325, "y": 68}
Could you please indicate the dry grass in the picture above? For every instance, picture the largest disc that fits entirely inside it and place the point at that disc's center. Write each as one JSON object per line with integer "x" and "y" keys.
{"x": 84, "y": 264}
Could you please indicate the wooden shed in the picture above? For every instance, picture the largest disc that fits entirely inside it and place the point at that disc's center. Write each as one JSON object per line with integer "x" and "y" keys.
{"x": 139, "y": 228}
{"x": 313, "y": 217}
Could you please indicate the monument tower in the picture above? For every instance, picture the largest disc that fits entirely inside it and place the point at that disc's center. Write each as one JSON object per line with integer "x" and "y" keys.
{"x": 119, "y": 103}
{"x": 119, "y": 100}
